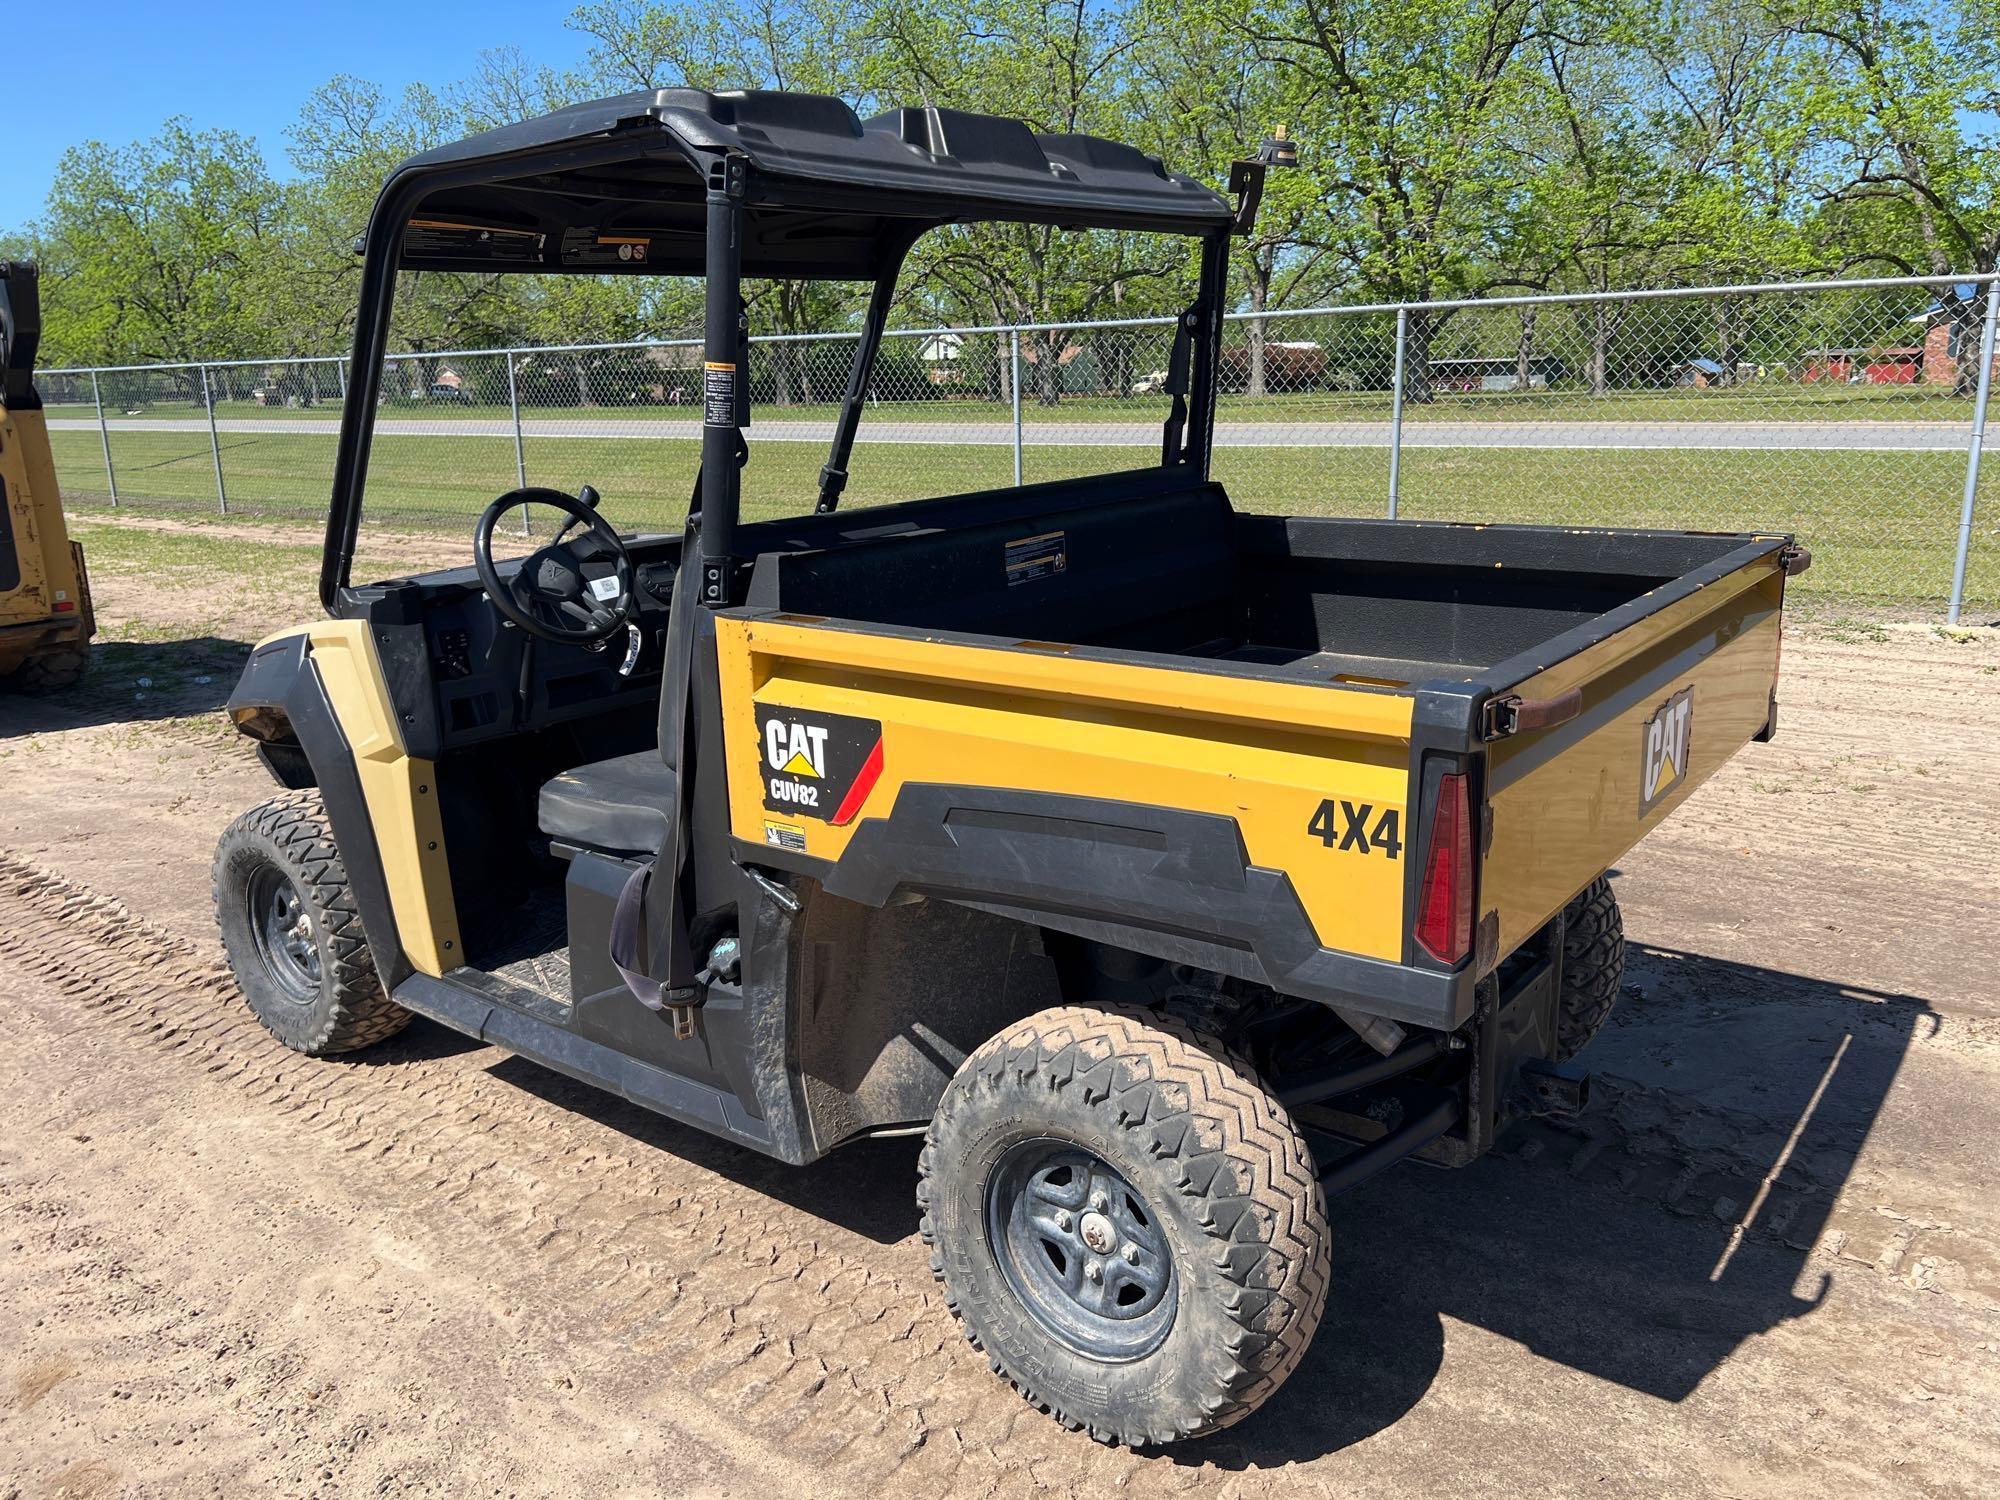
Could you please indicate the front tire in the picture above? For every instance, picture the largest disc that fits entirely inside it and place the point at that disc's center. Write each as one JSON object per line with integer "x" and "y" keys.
{"x": 1126, "y": 1222}
{"x": 292, "y": 933}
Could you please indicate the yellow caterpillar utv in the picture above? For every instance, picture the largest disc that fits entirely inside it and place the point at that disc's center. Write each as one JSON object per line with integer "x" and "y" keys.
{"x": 1168, "y": 867}
{"x": 45, "y": 617}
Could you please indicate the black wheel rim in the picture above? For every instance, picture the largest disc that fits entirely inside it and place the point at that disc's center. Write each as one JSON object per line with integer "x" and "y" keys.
{"x": 287, "y": 939}
{"x": 1081, "y": 1250}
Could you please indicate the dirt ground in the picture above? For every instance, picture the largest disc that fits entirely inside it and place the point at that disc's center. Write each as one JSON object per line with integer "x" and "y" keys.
{"x": 1766, "y": 1262}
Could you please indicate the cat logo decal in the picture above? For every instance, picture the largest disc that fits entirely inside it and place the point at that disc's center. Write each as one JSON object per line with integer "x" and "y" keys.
{"x": 817, "y": 765}
{"x": 1664, "y": 743}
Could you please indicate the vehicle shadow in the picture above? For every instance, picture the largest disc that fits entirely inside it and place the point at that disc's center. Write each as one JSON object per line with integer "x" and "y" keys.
{"x": 1728, "y": 1095}
{"x": 867, "y": 1188}
{"x": 1641, "y": 1245}
{"x": 134, "y": 682}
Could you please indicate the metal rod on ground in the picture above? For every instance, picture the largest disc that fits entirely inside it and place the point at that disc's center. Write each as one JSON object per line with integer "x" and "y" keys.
{"x": 520, "y": 452}
{"x": 104, "y": 432}
{"x": 1396, "y": 414}
{"x": 1014, "y": 389}
{"x": 1974, "y": 444}
{"x": 214, "y": 443}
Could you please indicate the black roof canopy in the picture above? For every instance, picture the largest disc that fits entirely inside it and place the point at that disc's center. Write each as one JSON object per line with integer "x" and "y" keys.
{"x": 618, "y": 186}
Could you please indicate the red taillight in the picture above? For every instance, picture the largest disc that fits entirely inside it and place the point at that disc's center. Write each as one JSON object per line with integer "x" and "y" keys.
{"x": 64, "y": 606}
{"x": 1444, "y": 905}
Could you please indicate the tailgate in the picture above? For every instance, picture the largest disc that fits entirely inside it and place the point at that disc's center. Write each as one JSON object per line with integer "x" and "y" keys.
{"x": 1670, "y": 686}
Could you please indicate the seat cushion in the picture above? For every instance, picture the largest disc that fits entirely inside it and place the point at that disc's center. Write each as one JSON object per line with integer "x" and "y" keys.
{"x": 611, "y": 804}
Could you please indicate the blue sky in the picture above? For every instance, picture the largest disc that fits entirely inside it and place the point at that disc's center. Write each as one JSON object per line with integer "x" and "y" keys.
{"x": 112, "y": 70}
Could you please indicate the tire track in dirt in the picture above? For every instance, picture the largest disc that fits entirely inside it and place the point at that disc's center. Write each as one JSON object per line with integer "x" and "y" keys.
{"x": 823, "y": 1345}
{"x": 820, "y": 1351}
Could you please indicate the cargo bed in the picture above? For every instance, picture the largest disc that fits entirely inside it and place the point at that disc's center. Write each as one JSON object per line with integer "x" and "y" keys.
{"x": 1266, "y": 679}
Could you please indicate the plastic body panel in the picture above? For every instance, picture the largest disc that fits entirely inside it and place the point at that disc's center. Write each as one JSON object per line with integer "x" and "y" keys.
{"x": 1567, "y": 802}
{"x": 1265, "y": 755}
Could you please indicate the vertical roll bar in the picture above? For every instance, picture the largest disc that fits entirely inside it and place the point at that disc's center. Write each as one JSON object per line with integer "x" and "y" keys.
{"x": 725, "y": 389}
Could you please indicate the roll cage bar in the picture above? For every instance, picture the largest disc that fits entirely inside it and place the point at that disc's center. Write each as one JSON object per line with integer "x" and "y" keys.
{"x": 517, "y": 200}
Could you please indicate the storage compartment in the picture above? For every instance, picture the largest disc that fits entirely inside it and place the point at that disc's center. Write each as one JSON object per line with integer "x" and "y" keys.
{"x": 1369, "y": 603}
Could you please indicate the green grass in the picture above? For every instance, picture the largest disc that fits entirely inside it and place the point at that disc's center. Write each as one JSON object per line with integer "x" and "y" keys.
{"x": 1882, "y": 525}
{"x": 1764, "y": 401}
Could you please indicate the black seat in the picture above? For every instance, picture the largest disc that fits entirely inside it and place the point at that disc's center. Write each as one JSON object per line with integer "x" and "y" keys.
{"x": 611, "y": 804}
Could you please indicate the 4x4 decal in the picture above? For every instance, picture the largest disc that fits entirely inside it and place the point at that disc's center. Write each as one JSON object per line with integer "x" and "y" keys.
{"x": 817, "y": 765}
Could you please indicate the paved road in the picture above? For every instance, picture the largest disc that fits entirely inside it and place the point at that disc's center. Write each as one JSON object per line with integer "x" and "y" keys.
{"x": 1879, "y": 437}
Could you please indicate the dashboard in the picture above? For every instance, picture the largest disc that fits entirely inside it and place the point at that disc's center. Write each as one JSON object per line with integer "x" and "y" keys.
{"x": 460, "y": 674}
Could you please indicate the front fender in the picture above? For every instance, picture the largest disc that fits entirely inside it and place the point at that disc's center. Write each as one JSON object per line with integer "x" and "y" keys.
{"x": 281, "y": 703}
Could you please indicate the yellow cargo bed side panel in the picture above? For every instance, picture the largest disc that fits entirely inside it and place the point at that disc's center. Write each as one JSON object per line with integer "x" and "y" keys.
{"x": 1031, "y": 717}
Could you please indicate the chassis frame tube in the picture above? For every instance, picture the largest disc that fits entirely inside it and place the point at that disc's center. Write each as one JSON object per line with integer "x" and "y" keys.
{"x": 1406, "y": 1139}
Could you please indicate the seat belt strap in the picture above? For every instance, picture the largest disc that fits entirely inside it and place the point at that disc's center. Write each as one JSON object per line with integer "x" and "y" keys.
{"x": 683, "y": 987}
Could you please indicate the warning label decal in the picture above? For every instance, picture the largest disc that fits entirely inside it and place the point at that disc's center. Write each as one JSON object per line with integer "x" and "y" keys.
{"x": 718, "y": 394}
{"x": 817, "y": 765}
{"x": 1033, "y": 557}
{"x": 1663, "y": 748}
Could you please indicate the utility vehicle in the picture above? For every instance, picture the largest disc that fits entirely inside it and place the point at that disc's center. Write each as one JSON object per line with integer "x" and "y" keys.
{"x": 1167, "y": 867}
{"x": 45, "y": 616}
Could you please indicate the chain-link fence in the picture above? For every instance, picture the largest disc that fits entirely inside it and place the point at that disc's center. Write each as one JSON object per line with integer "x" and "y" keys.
{"x": 1848, "y": 412}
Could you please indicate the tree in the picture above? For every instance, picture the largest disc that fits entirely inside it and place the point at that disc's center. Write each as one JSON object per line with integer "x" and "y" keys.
{"x": 783, "y": 44}
{"x": 1410, "y": 111}
{"x": 1902, "y": 92}
{"x": 1062, "y": 66}
{"x": 1202, "y": 102}
{"x": 163, "y": 250}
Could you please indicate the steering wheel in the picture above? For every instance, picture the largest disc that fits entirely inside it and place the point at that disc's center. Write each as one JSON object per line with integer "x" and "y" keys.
{"x": 550, "y": 597}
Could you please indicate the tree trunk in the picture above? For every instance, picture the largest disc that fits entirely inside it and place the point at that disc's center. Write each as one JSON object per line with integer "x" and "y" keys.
{"x": 1048, "y": 367}
{"x": 781, "y": 373}
{"x": 1524, "y": 353}
{"x": 1260, "y": 297}
{"x": 1602, "y": 325}
{"x": 1726, "y": 339}
{"x": 1418, "y": 332}
{"x": 1968, "y": 322}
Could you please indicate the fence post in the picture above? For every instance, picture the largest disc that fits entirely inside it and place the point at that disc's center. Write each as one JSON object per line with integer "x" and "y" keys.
{"x": 1396, "y": 414}
{"x": 1974, "y": 443}
{"x": 520, "y": 452}
{"x": 214, "y": 442}
{"x": 1014, "y": 388}
{"x": 104, "y": 432}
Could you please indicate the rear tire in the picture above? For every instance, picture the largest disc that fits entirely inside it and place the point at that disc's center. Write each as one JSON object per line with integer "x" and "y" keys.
{"x": 1593, "y": 966}
{"x": 1126, "y": 1222}
{"x": 49, "y": 672}
{"x": 292, "y": 933}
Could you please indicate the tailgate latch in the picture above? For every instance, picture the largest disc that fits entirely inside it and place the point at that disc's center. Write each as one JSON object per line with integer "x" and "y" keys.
{"x": 1795, "y": 559}
{"x": 1513, "y": 714}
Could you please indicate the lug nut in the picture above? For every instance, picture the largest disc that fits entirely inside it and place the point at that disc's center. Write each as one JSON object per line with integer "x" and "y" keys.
{"x": 1099, "y": 1201}
{"x": 1131, "y": 1253}
{"x": 1092, "y": 1271}
{"x": 1063, "y": 1220}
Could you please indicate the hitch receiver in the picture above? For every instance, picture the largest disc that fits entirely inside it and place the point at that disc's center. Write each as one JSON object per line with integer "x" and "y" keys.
{"x": 1553, "y": 1088}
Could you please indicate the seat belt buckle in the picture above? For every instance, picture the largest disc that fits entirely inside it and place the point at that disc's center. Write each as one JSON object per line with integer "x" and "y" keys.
{"x": 682, "y": 1004}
